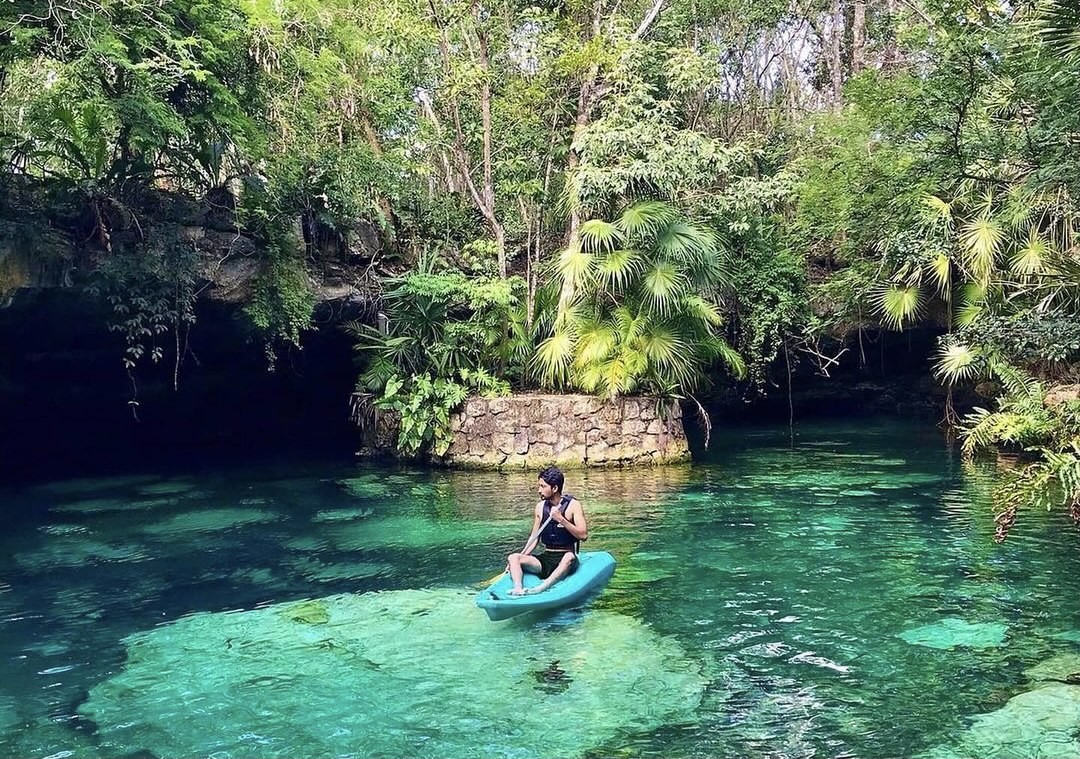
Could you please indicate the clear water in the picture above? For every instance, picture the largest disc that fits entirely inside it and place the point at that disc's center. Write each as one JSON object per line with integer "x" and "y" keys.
{"x": 757, "y": 610}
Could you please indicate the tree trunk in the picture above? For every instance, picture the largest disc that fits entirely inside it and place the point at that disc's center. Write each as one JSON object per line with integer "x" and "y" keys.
{"x": 888, "y": 57}
{"x": 858, "y": 37}
{"x": 484, "y": 196}
{"x": 487, "y": 192}
{"x": 836, "y": 67}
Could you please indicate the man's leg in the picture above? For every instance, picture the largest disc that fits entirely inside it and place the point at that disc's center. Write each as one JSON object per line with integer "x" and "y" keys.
{"x": 557, "y": 574}
{"x": 520, "y": 563}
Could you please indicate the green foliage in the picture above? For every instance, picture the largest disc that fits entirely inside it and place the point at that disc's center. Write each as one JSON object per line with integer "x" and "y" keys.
{"x": 283, "y": 300}
{"x": 445, "y": 335}
{"x": 443, "y": 323}
{"x": 424, "y": 404}
{"x": 769, "y": 287}
{"x": 151, "y": 293}
{"x": 644, "y": 315}
{"x": 129, "y": 90}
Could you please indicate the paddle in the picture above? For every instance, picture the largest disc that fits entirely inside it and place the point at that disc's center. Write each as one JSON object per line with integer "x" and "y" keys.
{"x": 528, "y": 547}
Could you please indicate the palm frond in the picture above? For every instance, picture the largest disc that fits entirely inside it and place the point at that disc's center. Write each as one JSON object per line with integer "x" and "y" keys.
{"x": 1057, "y": 22}
{"x": 1058, "y": 287}
{"x": 731, "y": 357}
{"x": 686, "y": 242}
{"x": 936, "y": 212}
{"x": 958, "y": 363}
{"x": 664, "y": 347}
{"x": 1032, "y": 258}
{"x": 618, "y": 268}
{"x": 629, "y": 324}
{"x": 941, "y": 271}
{"x": 968, "y": 314}
{"x": 703, "y": 310}
{"x": 981, "y": 239}
{"x": 575, "y": 265}
{"x": 596, "y": 342}
{"x": 661, "y": 284}
{"x": 717, "y": 348}
{"x": 645, "y": 218}
{"x": 599, "y": 235}
{"x": 899, "y": 304}
{"x": 1019, "y": 209}
{"x": 553, "y": 357}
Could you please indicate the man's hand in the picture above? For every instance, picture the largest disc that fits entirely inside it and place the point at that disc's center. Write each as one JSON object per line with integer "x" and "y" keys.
{"x": 557, "y": 515}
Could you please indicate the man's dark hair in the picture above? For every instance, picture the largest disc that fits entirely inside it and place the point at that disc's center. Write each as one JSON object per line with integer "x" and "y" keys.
{"x": 552, "y": 476}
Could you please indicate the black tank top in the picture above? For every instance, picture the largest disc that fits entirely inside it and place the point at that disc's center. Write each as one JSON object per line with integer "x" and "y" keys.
{"x": 554, "y": 536}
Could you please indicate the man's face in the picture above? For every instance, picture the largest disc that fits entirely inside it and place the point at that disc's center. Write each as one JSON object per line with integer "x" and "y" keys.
{"x": 545, "y": 490}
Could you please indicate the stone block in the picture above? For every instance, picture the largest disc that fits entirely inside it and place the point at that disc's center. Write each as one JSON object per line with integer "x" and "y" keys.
{"x": 482, "y": 425}
{"x": 543, "y": 433}
{"x": 503, "y": 442}
{"x": 648, "y": 409}
{"x": 479, "y": 445}
{"x": 521, "y": 442}
{"x": 673, "y": 411}
{"x": 516, "y": 461}
{"x": 609, "y": 413}
{"x": 532, "y": 431}
{"x": 459, "y": 447}
{"x": 574, "y": 453}
{"x": 540, "y": 453}
{"x": 585, "y": 407}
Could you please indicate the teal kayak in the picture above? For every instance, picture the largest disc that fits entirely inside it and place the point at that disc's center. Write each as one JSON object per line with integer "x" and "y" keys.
{"x": 595, "y": 568}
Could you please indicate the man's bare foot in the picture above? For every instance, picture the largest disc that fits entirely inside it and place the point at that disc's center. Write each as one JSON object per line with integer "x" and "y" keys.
{"x": 534, "y": 591}
{"x": 518, "y": 591}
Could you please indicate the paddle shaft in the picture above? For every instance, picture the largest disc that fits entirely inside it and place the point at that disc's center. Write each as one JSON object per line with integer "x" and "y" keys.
{"x": 529, "y": 544}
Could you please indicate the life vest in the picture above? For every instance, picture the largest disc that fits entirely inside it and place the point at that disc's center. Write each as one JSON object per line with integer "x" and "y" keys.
{"x": 554, "y": 536}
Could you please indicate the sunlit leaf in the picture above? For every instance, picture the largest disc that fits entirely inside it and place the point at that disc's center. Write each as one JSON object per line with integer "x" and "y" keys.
{"x": 899, "y": 305}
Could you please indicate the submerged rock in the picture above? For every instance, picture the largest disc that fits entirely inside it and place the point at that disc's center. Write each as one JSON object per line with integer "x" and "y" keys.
{"x": 341, "y": 515}
{"x": 79, "y": 550}
{"x": 1063, "y": 668}
{"x": 1039, "y": 724}
{"x": 209, "y": 520}
{"x": 403, "y": 673}
{"x": 952, "y": 632}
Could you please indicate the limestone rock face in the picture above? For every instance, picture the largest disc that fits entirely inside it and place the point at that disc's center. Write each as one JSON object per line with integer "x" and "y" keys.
{"x": 530, "y": 431}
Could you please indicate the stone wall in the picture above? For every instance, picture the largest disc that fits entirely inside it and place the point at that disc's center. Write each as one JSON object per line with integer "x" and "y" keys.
{"x": 572, "y": 431}
{"x": 529, "y": 431}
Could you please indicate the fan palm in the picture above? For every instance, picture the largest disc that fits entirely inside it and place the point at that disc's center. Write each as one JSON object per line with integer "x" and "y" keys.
{"x": 1058, "y": 24}
{"x": 643, "y": 317}
{"x": 976, "y": 249}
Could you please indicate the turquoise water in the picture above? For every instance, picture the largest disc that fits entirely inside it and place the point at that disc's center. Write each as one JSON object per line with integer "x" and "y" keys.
{"x": 840, "y": 596}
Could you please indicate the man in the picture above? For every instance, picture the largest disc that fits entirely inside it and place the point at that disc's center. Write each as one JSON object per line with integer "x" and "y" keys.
{"x": 563, "y": 522}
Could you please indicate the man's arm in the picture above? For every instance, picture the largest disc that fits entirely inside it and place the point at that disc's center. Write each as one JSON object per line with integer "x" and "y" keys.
{"x": 579, "y": 528}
